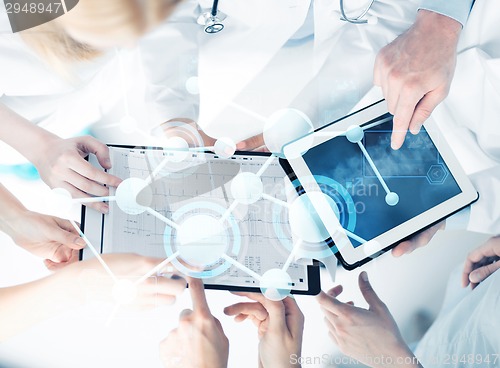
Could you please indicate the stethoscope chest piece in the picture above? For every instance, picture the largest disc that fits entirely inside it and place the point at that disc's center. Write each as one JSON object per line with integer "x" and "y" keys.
{"x": 212, "y": 23}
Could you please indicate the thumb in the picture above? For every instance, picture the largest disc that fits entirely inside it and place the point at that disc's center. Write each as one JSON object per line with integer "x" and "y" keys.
{"x": 99, "y": 149}
{"x": 66, "y": 235}
{"x": 368, "y": 293}
{"x": 481, "y": 273}
{"x": 424, "y": 109}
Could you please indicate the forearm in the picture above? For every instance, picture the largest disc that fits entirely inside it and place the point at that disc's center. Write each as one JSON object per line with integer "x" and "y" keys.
{"x": 23, "y": 306}
{"x": 10, "y": 211}
{"x": 21, "y": 134}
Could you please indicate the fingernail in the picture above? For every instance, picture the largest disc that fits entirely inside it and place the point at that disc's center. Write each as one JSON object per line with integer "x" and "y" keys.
{"x": 80, "y": 242}
{"x": 105, "y": 209}
{"x": 241, "y": 145}
{"x": 107, "y": 162}
{"x": 364, "y": 276}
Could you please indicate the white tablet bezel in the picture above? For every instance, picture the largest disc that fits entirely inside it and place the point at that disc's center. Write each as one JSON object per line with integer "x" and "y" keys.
{"x": 352, "y": 257}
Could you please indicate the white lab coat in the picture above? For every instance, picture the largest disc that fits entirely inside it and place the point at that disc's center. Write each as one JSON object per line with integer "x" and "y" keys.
{"x": 40, "y": 94}
{"x": 469, "y": 117}
{"x": 251, "y": 69}
{"x": 234, "y": 65}
{"x": 465, "y": 333}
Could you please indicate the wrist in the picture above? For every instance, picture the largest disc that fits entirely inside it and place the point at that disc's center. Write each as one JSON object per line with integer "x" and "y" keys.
{"x": 430, "y": 22}
{"x": 45, "y": 141}
{"x": 402, "y": 356}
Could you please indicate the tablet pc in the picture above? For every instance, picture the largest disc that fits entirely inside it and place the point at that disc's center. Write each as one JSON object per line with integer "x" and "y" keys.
{"x": 372, "y": 196}
{"x": 200, "y": 185}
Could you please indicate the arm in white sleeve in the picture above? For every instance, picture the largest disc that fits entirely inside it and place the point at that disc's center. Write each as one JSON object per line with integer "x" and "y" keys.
{"x": 170, "y": 58}
{"x": 456, "y": 9}
{"x": 482, "y": 216}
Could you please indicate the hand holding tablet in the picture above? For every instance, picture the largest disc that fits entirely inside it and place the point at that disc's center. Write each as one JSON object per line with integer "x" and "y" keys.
{"x": 372, "y": 196}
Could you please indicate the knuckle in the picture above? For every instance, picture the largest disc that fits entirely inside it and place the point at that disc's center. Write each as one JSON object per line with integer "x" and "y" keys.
{"x": 395, "y": 75}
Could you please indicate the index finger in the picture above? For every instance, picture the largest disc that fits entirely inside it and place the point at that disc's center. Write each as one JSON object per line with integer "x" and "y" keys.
{"x": 198, "y": 297}
{"x": 332, "y": 304}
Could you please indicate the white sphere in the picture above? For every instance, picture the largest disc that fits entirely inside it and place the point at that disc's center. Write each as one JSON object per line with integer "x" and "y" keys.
{"x": 247, "y": 187}
{"x": 285, "y": 126}
{"x": 392, "y": 199}
{"x": 202, "y": 240}
{"x": 127, "y": 196}
{"x": 354, "y": 134}
{"x": 276, "y": 284}
{"x": 225, "y": 147}
{"x": 305, "y": 221}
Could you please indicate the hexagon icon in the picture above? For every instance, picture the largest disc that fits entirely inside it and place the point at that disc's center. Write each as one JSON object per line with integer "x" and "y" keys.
{"x": 437, "y": 174}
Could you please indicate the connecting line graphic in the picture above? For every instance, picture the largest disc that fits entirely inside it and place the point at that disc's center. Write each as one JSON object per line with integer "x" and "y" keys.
{"x": 275, "y": 200}
{"x": 259, "y": 173}
{"x": 374, "y": 124}
{"x": 157, "y": 268}
{"x": 159, "y": 216}
{"x": 242, "y": 267}
{"x": 374, "y": 168}
{"x": 94, "y": 251}
{"x": 264, "y": 167}
{"x": 229, "y": 210}
{"x": 290, "y": 258}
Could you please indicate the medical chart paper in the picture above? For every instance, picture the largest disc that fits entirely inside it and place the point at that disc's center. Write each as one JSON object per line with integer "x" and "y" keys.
{"x": 264, "y": 235}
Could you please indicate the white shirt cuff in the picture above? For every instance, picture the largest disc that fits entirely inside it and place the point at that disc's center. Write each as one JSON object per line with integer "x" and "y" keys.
{"x": 455, "y": 9}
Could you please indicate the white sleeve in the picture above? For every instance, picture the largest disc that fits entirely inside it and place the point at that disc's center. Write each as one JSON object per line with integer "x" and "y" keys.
{"x": 170, "y": 58}
{"x": 485, "y": 213}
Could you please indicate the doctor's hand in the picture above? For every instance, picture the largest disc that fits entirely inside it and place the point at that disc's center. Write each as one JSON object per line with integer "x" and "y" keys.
{"x": 482, "y": 262}
{"x": 62, "y": 164}
{"x": 364, "y": 334}
{"x": 255, "y": 143}
{"x": 415, "y": 71}
{"x": 280, "y": 326}
{"x": 45, "y": 236}
{"x": 48, "y": 237}
{"x": 199, "y": 341}
{"x": 418, "y": 240}
{"x": 130, "y": 289}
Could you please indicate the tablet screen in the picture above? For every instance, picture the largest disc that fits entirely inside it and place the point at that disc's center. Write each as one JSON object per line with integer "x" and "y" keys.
{"x": 415, "y": 176}
{"x": 199, "y": 186}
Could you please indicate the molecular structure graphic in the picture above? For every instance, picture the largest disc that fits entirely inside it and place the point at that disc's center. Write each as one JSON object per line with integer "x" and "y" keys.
{"x": 200, "y": 245}
{"x": 201, "y": 242}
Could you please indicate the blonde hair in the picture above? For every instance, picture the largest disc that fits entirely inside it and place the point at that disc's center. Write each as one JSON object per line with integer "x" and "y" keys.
{"x": 113, "y": 20}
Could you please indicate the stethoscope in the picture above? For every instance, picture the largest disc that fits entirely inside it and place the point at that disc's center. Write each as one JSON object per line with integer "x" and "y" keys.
{"x": 359, "y": 19}
{"x": 212, "y": 19}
